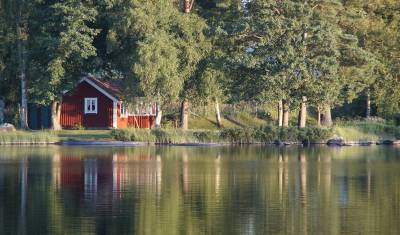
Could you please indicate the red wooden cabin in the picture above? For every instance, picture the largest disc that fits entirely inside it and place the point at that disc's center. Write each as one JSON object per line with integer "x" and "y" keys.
{"x": 97, "y": 104}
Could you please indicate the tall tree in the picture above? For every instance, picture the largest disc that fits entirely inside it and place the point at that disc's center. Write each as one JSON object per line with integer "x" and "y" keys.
{"x": 169, "y": 46}
{"x": 270, "y": 48}
{"x": 21, "y": 34}
{"x": 62, "y": 41}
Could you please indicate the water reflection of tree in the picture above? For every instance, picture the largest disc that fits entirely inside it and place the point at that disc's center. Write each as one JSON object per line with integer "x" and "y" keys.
{"x": 199, "y": 190}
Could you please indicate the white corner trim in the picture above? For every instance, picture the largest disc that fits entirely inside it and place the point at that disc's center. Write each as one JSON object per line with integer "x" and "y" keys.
{"x": 115, "y": 115}
{"x": 99, "y": 89}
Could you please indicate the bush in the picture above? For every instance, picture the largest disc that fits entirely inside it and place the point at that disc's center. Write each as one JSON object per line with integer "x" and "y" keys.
{"x": 238, "y": 135}
{"x": 397, "y": 119}
{"x": 163, "y": 136}
{"x": 122, "y": 135}
{"x": 267, "y": 134}
{"x": 397, "y": 133}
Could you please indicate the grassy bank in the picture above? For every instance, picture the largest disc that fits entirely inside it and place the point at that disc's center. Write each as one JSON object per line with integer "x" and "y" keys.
{"x": 233, "y": 135}
{"x": 88, "y": 135}
{"x": 366, "y": 131}
{"x": 34, "y": 137}
{"x": 350, "y": 131}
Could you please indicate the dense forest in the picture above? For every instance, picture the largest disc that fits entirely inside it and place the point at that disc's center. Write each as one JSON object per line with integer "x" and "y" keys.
{"x": 288, "y": 55}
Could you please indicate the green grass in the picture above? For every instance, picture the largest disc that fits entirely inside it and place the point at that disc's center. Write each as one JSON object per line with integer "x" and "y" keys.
{"x": 166, "y": 135}
{"x": 366, "y": 131}
{"x": 93, "y": 135}
{"x": 208, "y": 123}
{"x": 28, "y": 137}
{"x": 249, "y": 119}
{"x": 50, "y": 136}
{"x": 205, "y": 130}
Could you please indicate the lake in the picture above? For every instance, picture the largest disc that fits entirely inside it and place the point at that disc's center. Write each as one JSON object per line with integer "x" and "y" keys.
{"x": 199, "y": 190}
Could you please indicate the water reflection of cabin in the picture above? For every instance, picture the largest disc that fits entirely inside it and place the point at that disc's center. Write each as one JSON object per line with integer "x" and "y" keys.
{"x": 111, "y": 173}
{"x": 98, "y": 104}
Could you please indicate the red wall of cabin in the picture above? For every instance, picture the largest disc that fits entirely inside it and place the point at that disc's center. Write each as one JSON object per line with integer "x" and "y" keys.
{"x": 141, "y": 121}
{"x": 73, "y": 113}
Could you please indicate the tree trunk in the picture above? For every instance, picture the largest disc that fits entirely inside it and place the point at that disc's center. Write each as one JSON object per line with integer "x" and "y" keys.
{"x": 218, "y": 114}
{"x": 280, "y": 113}
{"x": 187, "y": 5}
{"x": 158, "y": 116}
{"x": 303, "y": 113}
{"x": 318, "y": 116}
{"x": 2, "y": 106}
{"x": 21, "y": 61}
{"x": 55, "y": 115}
{"x": 185, "y": 114}
{"x": 326, "y": 116}
{"x": 285, "y": 106}
{"x": 368, "y": 104}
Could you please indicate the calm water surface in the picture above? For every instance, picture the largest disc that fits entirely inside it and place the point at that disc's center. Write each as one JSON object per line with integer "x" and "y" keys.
{"x": 178, "y": 190}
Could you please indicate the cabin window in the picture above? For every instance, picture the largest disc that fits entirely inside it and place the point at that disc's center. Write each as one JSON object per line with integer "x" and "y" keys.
{"x": 90, "y": 105}
{"x": 124, "y": 113}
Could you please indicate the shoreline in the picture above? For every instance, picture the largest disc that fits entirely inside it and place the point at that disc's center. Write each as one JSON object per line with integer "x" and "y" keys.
{"x": 115, "y": 143}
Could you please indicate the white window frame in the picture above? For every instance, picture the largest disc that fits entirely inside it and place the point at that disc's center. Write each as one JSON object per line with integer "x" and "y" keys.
{"x": 123, "y": 110}
{"x": 88, "y": 101}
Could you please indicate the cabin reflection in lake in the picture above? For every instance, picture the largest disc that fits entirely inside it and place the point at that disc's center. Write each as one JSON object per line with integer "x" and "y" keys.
{"x": 179, "y": 190}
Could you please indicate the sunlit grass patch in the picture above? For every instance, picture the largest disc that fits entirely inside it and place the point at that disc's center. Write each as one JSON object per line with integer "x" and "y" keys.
{"x": 28, "y": 137}
{"x": 366, "y": 131}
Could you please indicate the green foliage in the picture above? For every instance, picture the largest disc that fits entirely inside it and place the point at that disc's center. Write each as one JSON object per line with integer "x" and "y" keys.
{"x": 230, "y": 51}
{"x": 62, "y": 41}
{"x": 269, "y": 134}
{"x": 169, "y": 46}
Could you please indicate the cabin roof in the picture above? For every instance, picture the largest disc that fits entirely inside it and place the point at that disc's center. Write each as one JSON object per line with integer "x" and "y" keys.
{"x": 114, "y": 88}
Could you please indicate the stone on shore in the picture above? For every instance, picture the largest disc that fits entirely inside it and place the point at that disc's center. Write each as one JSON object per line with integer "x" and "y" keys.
{"x": 388, "y": 142}
{"x": 7, "y": 127}
{"x": 336, "y": 141}
{"x": 365, "y": 143}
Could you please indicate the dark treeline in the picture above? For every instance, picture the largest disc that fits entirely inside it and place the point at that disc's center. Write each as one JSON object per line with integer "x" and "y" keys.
{"x": 293, "y": 54}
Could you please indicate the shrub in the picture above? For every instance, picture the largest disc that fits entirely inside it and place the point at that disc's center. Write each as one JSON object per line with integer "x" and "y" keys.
{"x": 122, "y": 135}
{"x": 238, "y": 135}
{"x": 397, "y": 133}
{"x": 288, "y": 134}
{"x": 267, "y": 134}
{"x": 397, "y": 119}
{"x": 314, "y": 134}
{"x": 206, "y": 136}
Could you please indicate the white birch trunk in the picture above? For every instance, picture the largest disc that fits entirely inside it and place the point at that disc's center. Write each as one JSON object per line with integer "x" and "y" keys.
{"x": 327, "y": 116}
{"x": 55, "y": 115}
{"x": 368, "y": 104}
{"x": 303, "y": 113}
{"x": 285, "y": 114}
{"x": 158, "y": 116}
{"x": 185, "y": 114}
{"x": 218, "y": 113}
{"x": 280, "y": 113}
{"x": 318, "y": 116}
